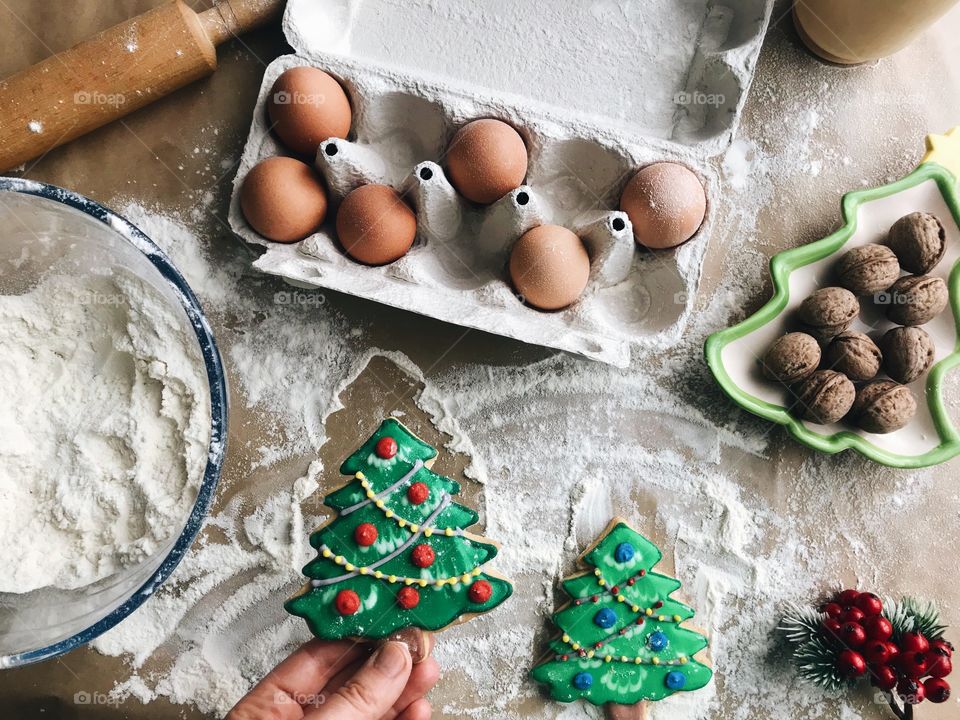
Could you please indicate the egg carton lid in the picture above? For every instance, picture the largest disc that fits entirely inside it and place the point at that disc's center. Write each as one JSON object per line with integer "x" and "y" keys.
{"x": 676, "y": 71}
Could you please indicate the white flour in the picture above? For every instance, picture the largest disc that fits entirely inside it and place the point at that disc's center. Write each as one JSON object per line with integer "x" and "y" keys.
{"x": 104, "y": 428}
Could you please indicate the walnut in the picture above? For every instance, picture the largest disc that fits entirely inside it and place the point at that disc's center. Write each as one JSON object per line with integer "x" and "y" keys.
{"x": 917, "y": 299}
{"x": 791, "y": 358}
{"x": 855, "y": 355}
{"x": 825, "y": 397}
{"x": 868, "y": 269}
{"x": 828, "y": 312}
{"x": 884, "y": 406}
{"x": 919, "y": 241}
{"x": 908, "y": 353}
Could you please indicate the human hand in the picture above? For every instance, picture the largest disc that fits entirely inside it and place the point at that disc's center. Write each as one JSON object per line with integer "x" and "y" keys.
{"x": 342, "y": 681}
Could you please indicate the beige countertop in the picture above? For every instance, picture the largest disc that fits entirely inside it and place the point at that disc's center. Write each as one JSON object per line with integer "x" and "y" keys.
{"x": 811, "y": 132}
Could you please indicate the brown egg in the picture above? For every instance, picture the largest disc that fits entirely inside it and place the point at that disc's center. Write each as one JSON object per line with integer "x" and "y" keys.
{"x": 283, "y": 199}
{"x": 486, "y": 160}
{"x": 306, "y": 107}
{"x": 666, "y": 203}
{"x": 549, "y": 267}
{"x": 375, "y": 225}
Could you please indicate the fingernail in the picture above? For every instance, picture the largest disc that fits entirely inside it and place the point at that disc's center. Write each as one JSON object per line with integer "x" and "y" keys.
{"x": 392, "y": 659}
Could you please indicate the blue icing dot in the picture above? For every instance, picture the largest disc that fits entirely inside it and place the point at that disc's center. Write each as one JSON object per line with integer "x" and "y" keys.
{"x": 657, "y": 641}
{"x": 582, "y": 680}
{"x": 605, "y": 618}
{"x": 624, "y": 552}
{"x": 675, "y": 680}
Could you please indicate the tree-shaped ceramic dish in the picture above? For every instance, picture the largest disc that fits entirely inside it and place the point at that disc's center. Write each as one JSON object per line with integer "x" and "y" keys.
{"x": 733, "y": 354}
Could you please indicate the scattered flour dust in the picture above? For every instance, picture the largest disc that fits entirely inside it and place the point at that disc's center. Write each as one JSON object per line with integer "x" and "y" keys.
{"x": 104, "y": 428}
{"x": 656, "y": 436}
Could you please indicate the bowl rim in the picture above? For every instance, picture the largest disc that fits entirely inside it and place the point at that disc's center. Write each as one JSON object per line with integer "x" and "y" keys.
{"x": 216, "y": 379}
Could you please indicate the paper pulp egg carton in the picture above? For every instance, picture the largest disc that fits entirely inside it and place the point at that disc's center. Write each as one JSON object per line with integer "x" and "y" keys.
{"x": 597, "y": 89}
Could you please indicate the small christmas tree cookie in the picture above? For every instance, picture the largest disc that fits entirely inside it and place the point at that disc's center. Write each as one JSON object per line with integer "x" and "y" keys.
{"x": 622, "y": 641}
{"x": 396, "y": 555}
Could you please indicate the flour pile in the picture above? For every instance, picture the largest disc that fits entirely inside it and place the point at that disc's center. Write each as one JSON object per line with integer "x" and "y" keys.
{"x": 104, "y": 428}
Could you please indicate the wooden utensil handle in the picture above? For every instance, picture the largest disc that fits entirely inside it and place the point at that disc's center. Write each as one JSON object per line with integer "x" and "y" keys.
{"x": 116, "y": 72}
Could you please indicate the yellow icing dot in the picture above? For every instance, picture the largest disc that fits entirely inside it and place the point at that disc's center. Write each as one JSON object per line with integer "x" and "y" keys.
{"x": 476, "y": 571}
{"x": 414, "y": 527}
{"x": 597, "y": 572}
{"x": 635, "y": 608}
{"x": 677, "y": 618}
{"x": 349, "y": 567}
{"x": 566, "y": 638}
{"x": 649, "y": 612}
{"x": 590, "y": 654}
{"x": 575, "y": 646}
{"x": 423, "y": 583}
{"x": 601, "y": 582}
{"x": 620, "y": 598}
{"x": 637, "y": 661}
{"x": 683, "y": 660}
{"x": 364, "y": 570}
{"x": 408, "y": 581}
{"x": 607, "y": 658}
{"x": 655, "y": 661}
{"x": 326, "y": 552}
{"x": 392, "y": 579}
{"x": 624, "y": 658}
{"x": 401, "y": 522}
{"x": 378, "y": 574}
{"x": 380, "y": 504}
{"x": 465, "y": 578}
{"x": 339, "y": 560}
{"x": 661, "y": 618}
{"x": 360, "y": 476}
{"x": 427, "y": 532}
{"x": 448, "y": 532}
{"x": 389, "y": 513}
{"x": 440, "y": 583}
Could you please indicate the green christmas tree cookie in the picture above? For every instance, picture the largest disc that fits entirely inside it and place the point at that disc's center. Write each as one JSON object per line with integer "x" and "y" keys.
{"x": 396, "y": 555}
{"x": 622, "y": 641}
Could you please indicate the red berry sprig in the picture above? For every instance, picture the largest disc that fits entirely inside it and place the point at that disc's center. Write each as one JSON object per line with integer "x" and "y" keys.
{"x": 866, "y": 645}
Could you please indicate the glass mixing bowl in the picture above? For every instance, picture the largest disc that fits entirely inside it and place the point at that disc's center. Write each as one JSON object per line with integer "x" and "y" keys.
{"x": 44, "y": 226}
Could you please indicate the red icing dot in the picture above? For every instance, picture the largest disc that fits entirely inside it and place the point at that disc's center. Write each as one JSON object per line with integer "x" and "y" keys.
{"x": 598, "y": 645}
{"x": 418, "y": 493}
{"x": 640, "y": 620}
{"x": 564, "y": 657}
{"x": 386, "y": 447}
{"x": 423, "y": 556}
{"x": 658, "y": 604}
{"x": 582, "y": 653}
{"x": 615, "y": 589}
{"x": 642, "y": 572}
{"x": 347, "y": 602}
{"x": 595, "y": 599}
{"x": 631, "y": 582}
{"x": 408, "y": 598}
{"x": 480, "y": 591}
{"x": 365, "y": 534}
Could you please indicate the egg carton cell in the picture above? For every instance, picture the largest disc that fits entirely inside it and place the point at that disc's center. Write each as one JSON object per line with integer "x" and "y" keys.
{"x": 406, "y": 110}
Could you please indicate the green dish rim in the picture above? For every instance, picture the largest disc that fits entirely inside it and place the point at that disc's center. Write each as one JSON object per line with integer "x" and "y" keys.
{"x": 781, "y": 265}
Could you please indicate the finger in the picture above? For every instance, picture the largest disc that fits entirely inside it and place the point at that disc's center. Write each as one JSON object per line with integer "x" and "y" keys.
{"x": 372, "y": 691}
{"x": 296, "y": 680}
{"x": 418, "y": 710}
{"x": 420, "y": 642}
{"x": 422, "y": 679}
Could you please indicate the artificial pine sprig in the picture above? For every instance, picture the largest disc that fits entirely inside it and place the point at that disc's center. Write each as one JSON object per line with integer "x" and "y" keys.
{"x": 914, "y": 615}
{"x": 815, "y": 658}
{"x": 897, "y": 645}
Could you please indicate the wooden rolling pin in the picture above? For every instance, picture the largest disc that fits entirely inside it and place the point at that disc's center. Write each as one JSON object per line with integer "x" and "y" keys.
{"x": 118, "y": 71}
